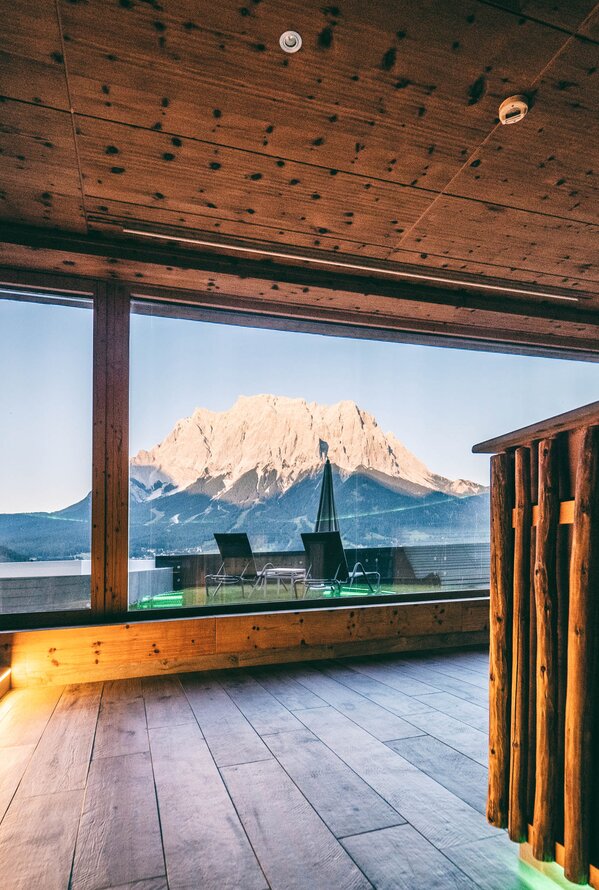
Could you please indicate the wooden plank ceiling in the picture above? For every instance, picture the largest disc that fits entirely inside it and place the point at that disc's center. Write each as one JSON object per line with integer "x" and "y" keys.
{"x": 377, "y": 144}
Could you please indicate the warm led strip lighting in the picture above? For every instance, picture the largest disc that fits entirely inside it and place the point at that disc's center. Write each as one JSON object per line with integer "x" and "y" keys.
{"x": 323, "y": 262}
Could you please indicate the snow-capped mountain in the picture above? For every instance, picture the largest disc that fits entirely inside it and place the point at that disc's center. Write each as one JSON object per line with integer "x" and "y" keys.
{"x": 258, "y": 468}
{"x": 265, "y": 444}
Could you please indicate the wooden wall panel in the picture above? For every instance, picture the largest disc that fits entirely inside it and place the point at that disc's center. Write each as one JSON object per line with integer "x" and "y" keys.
{"x": 376, "y": 105}
{"x": 149, "y": 648}
{"x": 590, "y": 28}
{"x": 352, "y": 145}
{"x": 280, "y": 631}
{"x": 39, "y": 178}
{"x": 567, "y": 14}
{"x": 31, "y": 54}
{"x": 146, "y": 167}
{"x": 110, "y": 217}
{"x": 502, "y": 235}
{"x": 552, "y": 144}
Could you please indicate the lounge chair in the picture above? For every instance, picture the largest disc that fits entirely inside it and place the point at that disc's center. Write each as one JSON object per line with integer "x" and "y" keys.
{"x": 327, "y": 568}
{"x": 238, "y": 567}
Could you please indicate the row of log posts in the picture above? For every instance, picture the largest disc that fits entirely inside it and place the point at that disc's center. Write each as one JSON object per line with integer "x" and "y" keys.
{"x": 544, "y": 652}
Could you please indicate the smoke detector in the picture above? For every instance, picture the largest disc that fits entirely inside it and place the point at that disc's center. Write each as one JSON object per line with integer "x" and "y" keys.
{"x": 290, "y": 41}
{"x": 513, "y": 109}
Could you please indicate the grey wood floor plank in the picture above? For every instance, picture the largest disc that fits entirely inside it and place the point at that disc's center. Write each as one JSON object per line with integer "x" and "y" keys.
{"x": 121, "y": 728}
{"x": 401, "y": 859}
{"x": 341, "y": 798}
{"x": 119, "y": 836}
{"x": 263, "y": 710}
{"x": 122, "y": 690}
{"x": 24, "y": 714}
{"x": 478, "y": 662}
{"x": 13, "y": 763}
{"x": 386, "y": 696}
{"x": 229, "y": 735}
{"x": 459, "y": 774}
{"x": 391, "y": 674}
{"x": 494, "y": 864}
{"x": 466, "y": 711}
{"x": 286, "y": 689}
{"x": 458, "y": 672}
{"x": 159, "y": 883}
{"x": 439, "y": 815}
{"x": 295, "y": 848}
{"x": 436, "y": 682}
{"x": 458, "y": 735}
{"x": 205, "y": 844}
{"x": 61, "y": 759}
{"x": 382, "y": 724}
{"x": 166, "y": 703}
{"x": 37, "y": 839}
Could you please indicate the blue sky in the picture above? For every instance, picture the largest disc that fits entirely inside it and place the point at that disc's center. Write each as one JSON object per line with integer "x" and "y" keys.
{"x": 439, "y": 402}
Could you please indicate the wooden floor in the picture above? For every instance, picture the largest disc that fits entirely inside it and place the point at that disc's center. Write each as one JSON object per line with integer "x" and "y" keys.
{"x": 353, "y": 774}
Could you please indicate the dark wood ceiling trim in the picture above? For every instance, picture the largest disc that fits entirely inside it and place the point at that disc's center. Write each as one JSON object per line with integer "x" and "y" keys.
{"x": 302, "y": 275}
{"x": 247, "y": 301}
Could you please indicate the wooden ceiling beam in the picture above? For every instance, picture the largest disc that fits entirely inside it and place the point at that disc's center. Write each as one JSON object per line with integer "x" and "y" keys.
{"x": 304, "y": 275}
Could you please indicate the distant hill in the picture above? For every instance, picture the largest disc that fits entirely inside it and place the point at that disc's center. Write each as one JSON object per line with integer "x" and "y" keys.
{"x": 8, "y": 555}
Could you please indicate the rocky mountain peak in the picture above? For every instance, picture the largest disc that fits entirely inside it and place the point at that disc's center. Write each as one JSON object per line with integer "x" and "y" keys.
{"x": 281, "y": 439}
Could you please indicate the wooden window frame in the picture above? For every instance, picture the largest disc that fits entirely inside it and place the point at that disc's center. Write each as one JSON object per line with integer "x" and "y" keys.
{"x": 110, "y": 465}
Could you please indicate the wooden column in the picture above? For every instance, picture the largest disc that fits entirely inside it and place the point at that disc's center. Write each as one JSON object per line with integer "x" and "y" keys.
{"x": 546, "y": 667}
{"x": 500, "y": 638}
{"x": 582, "y": 741}
{"x": 98, "y": 535}
{"x": 532, "y": 689}
{"x": 110, "y": 492}
{"x": 518, "y": 799}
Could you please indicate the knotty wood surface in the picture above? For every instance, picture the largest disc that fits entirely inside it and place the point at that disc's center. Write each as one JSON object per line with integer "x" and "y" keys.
{"x": 379, "y": 140}
{"x": 502, "y": 548}
{"x": 545, "y": 582}
{"x": 159, "y": 647}
{"x": 263, "y": 778}
{"x": 581, "y": 731}
{"x": 518, "y": 815}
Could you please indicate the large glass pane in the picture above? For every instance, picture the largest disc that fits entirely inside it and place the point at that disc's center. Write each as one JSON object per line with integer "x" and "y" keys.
{"x": 45, "y": 452}
{"x": 271, "y": 465}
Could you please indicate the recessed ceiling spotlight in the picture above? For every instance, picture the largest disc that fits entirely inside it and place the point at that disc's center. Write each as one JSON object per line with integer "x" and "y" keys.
{"x": 513, "y": 109}
{"x": 290, "y": 41}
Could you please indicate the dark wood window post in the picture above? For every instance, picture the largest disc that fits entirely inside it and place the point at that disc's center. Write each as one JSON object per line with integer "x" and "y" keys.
{"x": 110, "y": 492}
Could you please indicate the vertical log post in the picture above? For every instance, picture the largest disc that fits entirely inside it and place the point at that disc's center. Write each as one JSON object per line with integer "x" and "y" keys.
{"x": 532, "y": 674}
{"x": 563, "y": 580}
{"x": 500, "y": 642}
{"x": 518, "y": 799}
{"x": 582, "y": 744}
{"x": 543, "y": 846}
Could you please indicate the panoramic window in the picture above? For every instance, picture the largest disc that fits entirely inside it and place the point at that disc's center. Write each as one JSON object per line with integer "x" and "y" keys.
{"x": 278, "y": 466}
{"x": 45, "y": 452}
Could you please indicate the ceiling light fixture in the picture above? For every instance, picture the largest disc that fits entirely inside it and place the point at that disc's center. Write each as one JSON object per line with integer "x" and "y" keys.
{"x": 513, "y": 109}
{"x": 290, "y": 41}
{"x": 321, "y": 261}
